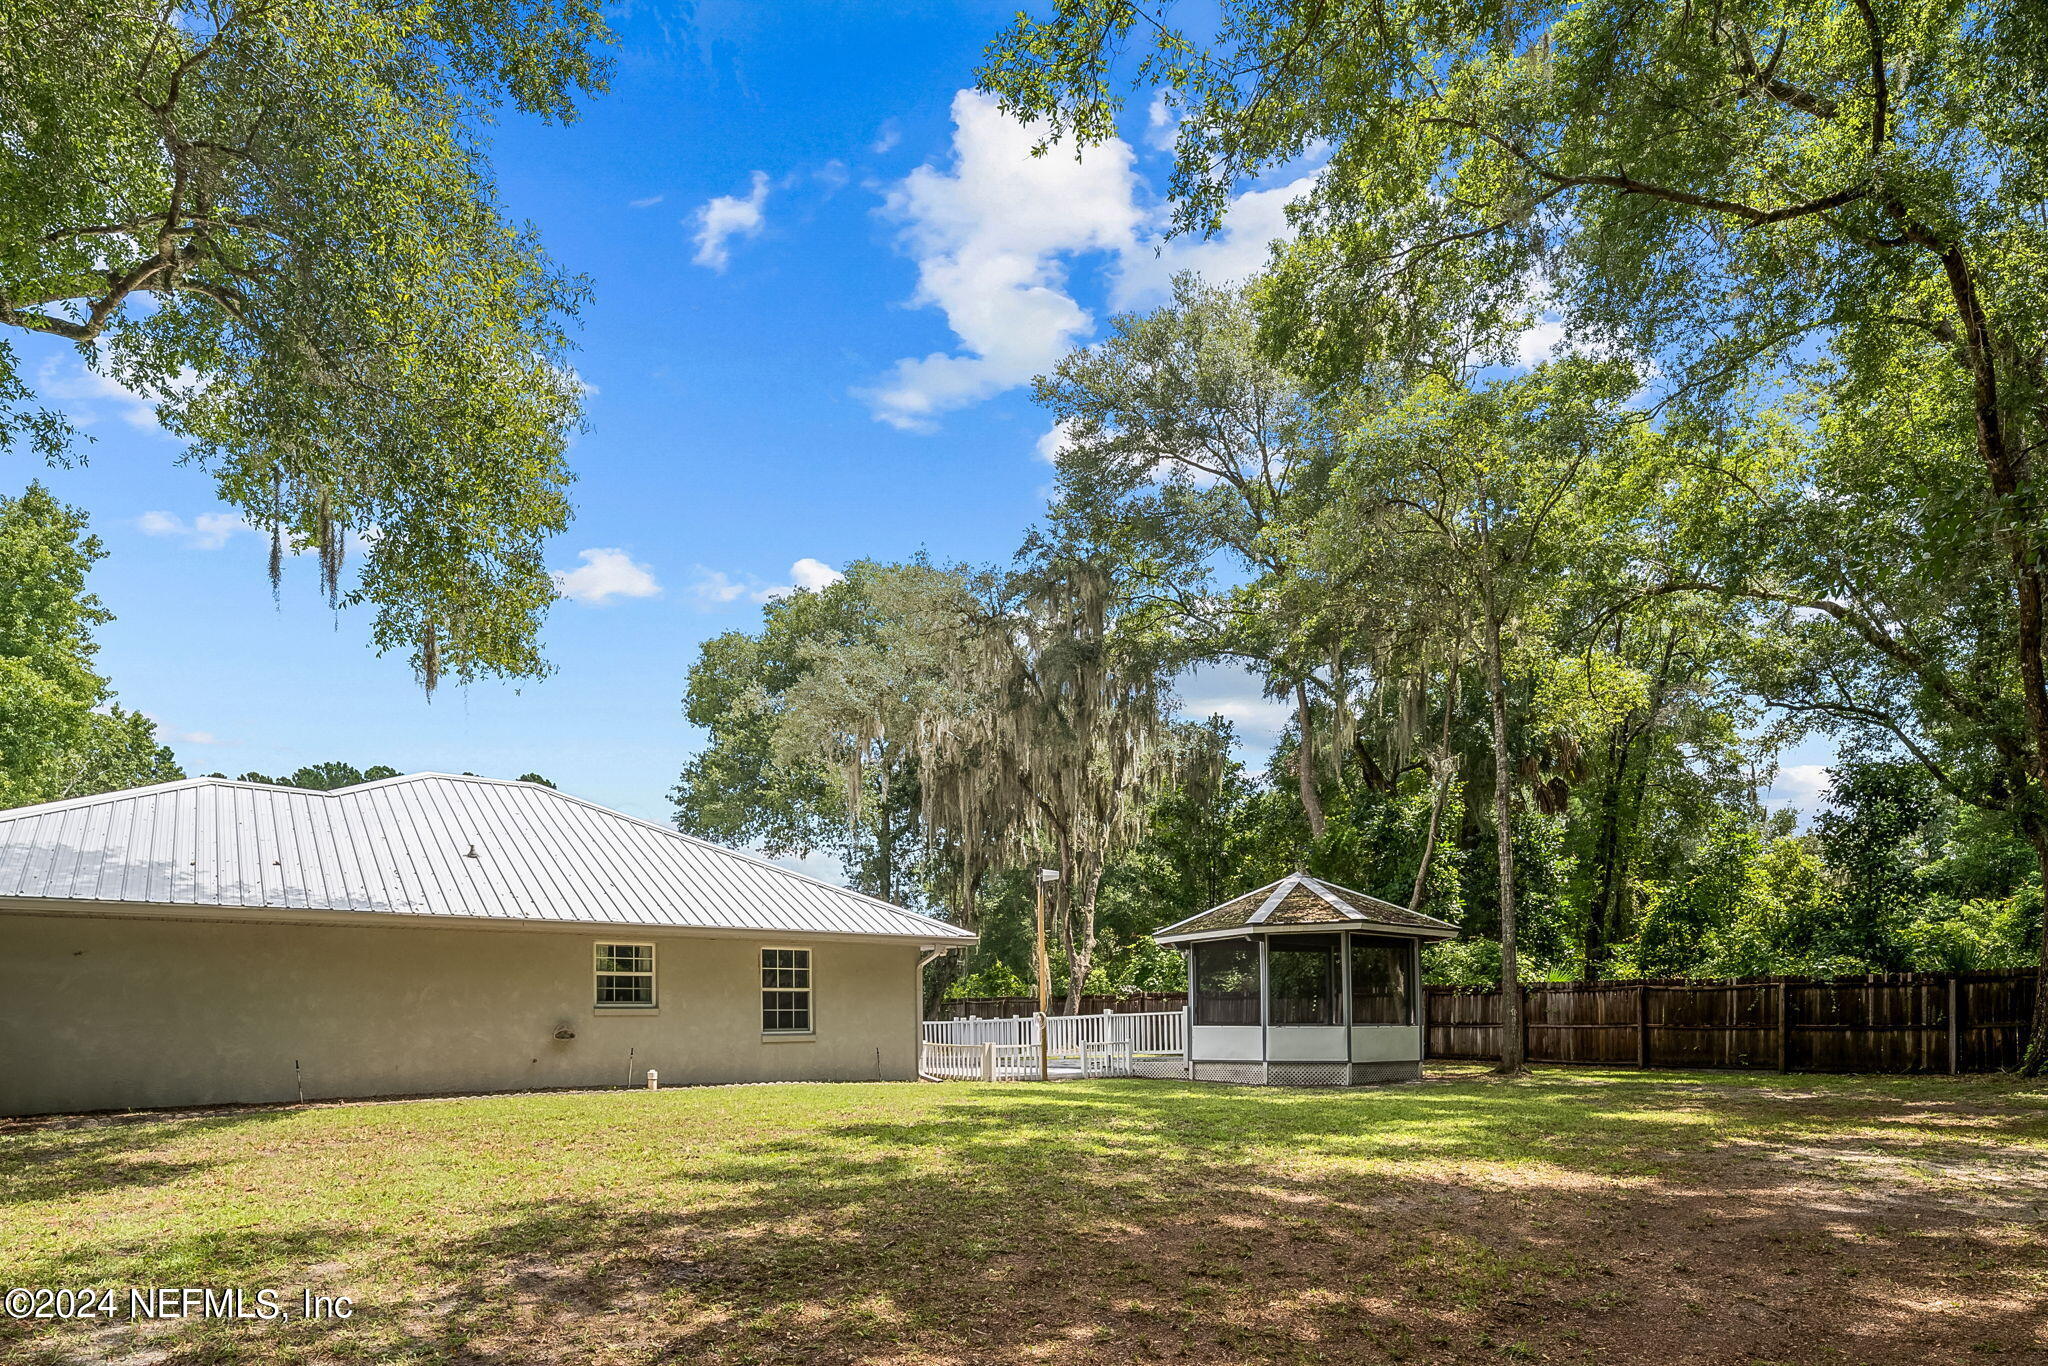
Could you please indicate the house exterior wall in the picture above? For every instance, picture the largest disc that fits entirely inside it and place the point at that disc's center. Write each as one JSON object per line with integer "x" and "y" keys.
{"x": 129, "y": 1012}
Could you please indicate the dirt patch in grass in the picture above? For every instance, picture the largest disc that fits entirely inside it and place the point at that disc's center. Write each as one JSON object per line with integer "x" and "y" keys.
{"x": 1566, "y": 1217}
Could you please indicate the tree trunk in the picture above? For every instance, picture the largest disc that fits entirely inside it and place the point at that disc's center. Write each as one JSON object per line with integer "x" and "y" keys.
{"x": 1442, "y": 793}
{"x": 1436, "y": 815}
{"x": 2034, "y": 1055}
{"x": 2016, "y": 532}
{"x": 885, "y": 832}
{"x": 1305, "y": 763}
{"x": 1080, "y": 938}
{"x": 1510, "y": 978}
{"x": 1600, "y": 915}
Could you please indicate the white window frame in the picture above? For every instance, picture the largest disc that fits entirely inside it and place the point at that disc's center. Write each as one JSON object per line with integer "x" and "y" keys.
{"x": 598, "y": 974}
{"x": 808, "y": 989}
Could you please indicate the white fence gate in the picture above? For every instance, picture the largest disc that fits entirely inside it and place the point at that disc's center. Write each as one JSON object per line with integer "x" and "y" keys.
{"x": 1105, "y": 1045}
{"x": 979, "y": 1061}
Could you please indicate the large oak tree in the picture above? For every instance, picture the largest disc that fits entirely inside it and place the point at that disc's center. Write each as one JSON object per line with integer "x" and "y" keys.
{"x": 1738, "y": 188}
{"x": 275, "y": 218}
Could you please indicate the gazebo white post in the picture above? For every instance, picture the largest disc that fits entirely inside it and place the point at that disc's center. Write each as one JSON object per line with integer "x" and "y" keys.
{"x": 1344, "y": 998}
{"x": 1187, "y": 1017}
{"x": 1265, "y": 1016}
{"x": 1418, "y": 1003}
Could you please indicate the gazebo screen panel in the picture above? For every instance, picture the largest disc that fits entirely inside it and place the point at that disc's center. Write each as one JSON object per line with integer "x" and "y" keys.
{"x": 1227, "y": 983}
{"x": 1382, "y": 980}
{"x": 1304, "y": 976}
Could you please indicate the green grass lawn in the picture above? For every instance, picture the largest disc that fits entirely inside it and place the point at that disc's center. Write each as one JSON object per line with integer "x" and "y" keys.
{"x": 1572, "y": 1216}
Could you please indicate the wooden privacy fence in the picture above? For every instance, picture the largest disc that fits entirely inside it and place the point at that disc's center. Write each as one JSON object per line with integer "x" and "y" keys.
{"x": 1903, "y": 1022}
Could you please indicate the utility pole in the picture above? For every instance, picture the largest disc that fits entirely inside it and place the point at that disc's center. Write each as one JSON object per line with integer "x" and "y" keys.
{"x": 1045, "y": 875}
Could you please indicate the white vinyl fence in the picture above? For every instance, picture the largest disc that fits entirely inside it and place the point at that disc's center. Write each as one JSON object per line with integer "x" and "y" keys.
{"x": 979, "y": 1061}
{"x": 1102, "y": 1045}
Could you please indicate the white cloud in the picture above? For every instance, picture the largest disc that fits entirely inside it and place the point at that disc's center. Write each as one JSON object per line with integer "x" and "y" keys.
{"x": 1238, "y": 696}
{"x": 988, "y": 237}
{"x": 165, "y": 734}
{"x": 86, "y": 390}
{"x": 886, "y": 137}
{"x": 715, "y": 588}
{"x": 727, "y": 217}
{"x": 1239, "y": 250}
{"x": 1801, "y": 785}
{"x": 1162, "y": 123}
{"x": 1539, "y": 343}
{"x": 815, "y": 575}
{"x": 646, "y": 203}
{"x": 605, "y": 573}
{"x": 207, "y": 531}
{"x": 1053, "y": 441}
{"x": 995, "y": 235}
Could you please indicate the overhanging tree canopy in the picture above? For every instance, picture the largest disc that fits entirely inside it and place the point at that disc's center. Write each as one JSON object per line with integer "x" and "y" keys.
{"x": 1741, "y": 189}
{"x": 275, "y": 218}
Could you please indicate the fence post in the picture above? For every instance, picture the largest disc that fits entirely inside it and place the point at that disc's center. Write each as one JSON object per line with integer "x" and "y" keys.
{"x": 988, "y": 1062}
{"x": 1784, "y": 1026}
{"x": 1955, "y": 1029}
{"x": 1044, "y": 1063}
{"x": 1642, "y": 1025}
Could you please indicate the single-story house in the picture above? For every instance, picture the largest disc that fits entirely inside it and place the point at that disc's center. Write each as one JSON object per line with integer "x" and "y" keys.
{"x": 213, "y": 941}
{"x": 1304, "y": 983}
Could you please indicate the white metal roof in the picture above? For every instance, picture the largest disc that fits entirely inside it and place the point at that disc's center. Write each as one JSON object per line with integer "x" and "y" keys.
{"x": 426, "y": 844}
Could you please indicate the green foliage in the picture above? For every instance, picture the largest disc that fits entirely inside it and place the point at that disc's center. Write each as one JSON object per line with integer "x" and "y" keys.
{"x": 47, "y": 684}
{"x": 325, "y": 777}
{"x": 60, "y": 734}
{"x": 809, "y": 717}
{"x": 278, "y": 222}
{"x": 1818, "y": 221}
{"x": 1973, "y": 935}
{"x": 119, "y": 750}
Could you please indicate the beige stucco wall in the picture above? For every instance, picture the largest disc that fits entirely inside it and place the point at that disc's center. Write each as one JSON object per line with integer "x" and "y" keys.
{"x": 108, "y": 1013}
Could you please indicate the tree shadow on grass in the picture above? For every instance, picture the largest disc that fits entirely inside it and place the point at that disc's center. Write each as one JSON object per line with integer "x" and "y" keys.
{"x": 1119, "y": 1223}
{"x": 1564, "y": 1219}
{"x": 286, "y": 1260}
{"x": 46, "y": 1161}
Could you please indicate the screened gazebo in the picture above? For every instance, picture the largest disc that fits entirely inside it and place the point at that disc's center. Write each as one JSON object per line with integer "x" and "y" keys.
{"x": 1304, "y": 983}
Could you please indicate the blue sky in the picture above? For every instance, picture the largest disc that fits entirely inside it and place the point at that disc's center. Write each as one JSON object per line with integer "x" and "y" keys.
{"x": 824, "y": 273}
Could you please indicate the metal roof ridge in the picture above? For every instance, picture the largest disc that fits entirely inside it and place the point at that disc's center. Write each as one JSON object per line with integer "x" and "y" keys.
{"x": 1343, "y": 907}
{"x": 673, "y": 833}
{"x": 920, "y": 924}
{"x": 1272, "y": 902}
{"x": 73, "y": 803}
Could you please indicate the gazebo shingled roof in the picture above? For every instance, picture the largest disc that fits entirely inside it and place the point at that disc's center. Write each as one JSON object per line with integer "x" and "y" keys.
{"x": 1299, "y": 899}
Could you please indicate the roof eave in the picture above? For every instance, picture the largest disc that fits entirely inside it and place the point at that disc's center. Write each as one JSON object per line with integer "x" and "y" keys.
{"x": 948, "y": 937}
{"x": 1316, "y": 927}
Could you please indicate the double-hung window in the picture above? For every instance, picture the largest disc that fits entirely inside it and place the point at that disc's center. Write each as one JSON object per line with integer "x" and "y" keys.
{"x": 625, "y": 976}
{"x": 785, "y": 991}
